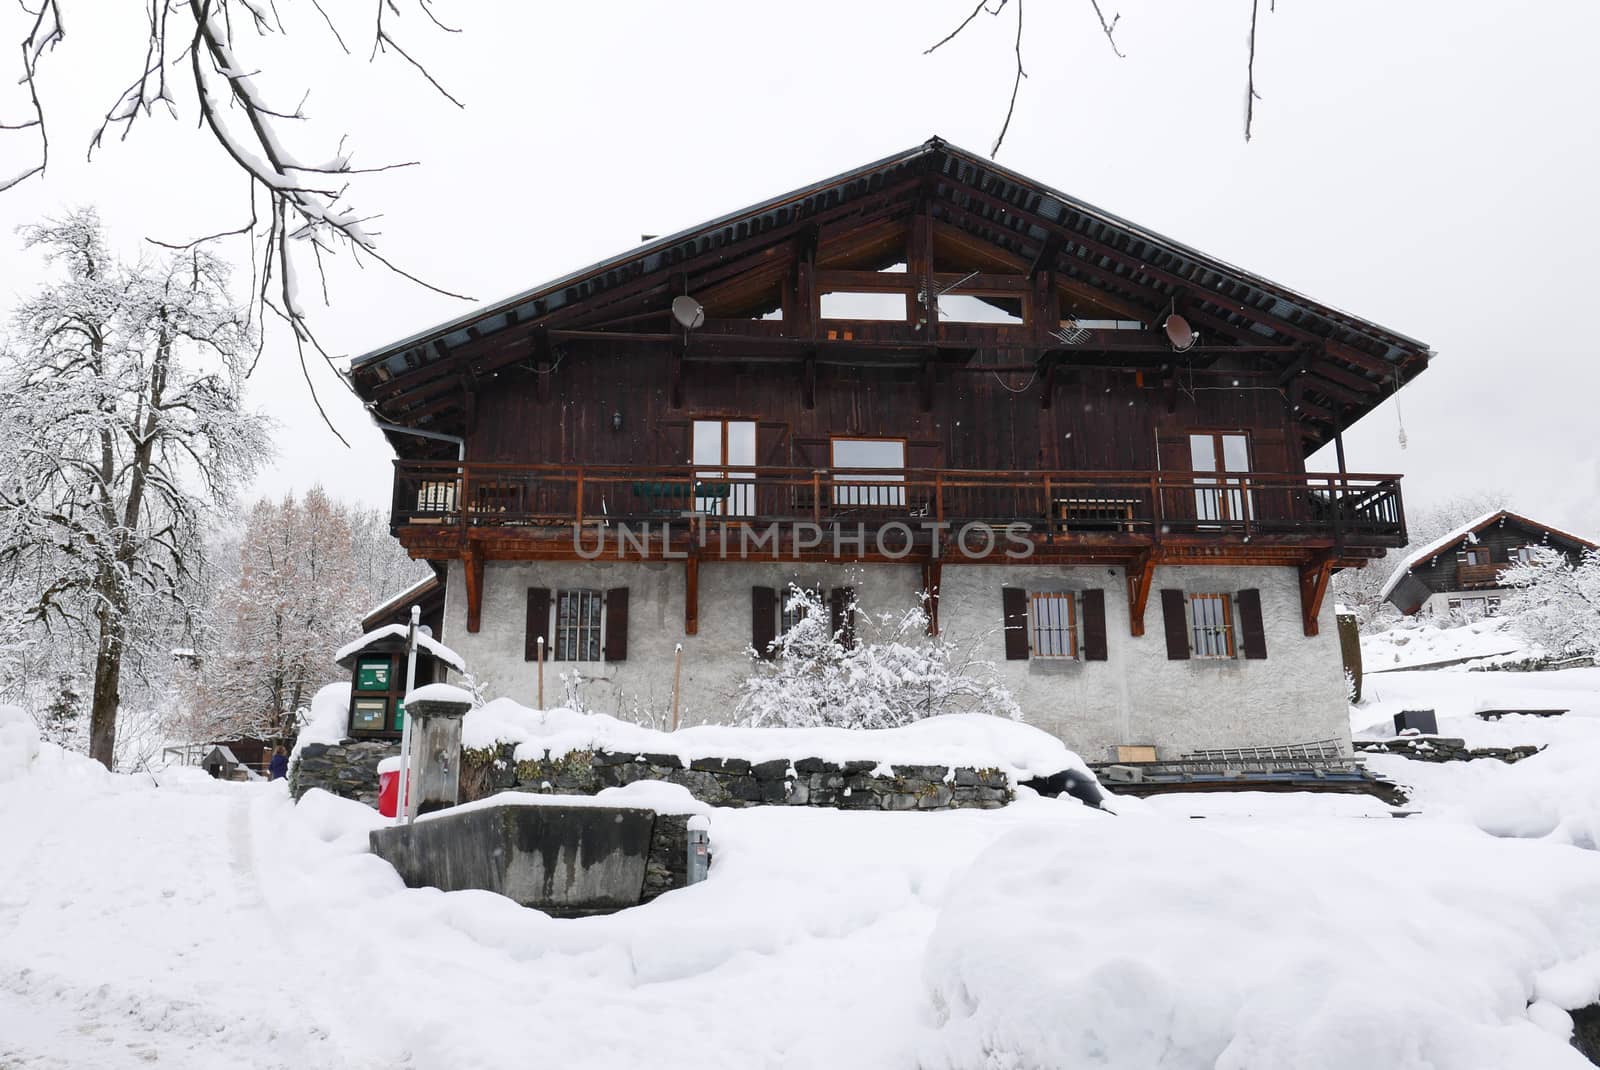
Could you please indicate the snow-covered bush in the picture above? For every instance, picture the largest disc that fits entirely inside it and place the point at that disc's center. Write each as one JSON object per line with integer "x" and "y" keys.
{"x": 889, "y": 673}
{"x": 1554, "y": 603}
{"x": 19, "y": 742}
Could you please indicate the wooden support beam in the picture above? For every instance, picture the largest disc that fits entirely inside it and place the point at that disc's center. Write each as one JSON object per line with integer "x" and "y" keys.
{"x": 691, "y": 595}
{"x": 932, "y": 574}
{"x": 675, "y": 377}
{"x": 808, "y": 382}
{"x": 1141, "y": 576}
{"x": 1138, "y": 266}
{"x": 1314, "y": 578}
{"x": 472, "y": 569}
{"x": 543, "y": 364}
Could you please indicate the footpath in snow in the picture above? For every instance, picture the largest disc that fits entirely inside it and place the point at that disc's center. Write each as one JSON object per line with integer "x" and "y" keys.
{"x": 202, "y": 924}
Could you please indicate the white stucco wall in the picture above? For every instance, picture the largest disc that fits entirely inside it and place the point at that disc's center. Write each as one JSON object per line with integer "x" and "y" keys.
{"x": 1136, "y": 696}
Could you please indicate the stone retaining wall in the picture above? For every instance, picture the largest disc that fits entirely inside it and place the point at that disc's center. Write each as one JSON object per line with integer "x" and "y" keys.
{"x": 862, "y": 785}
{"x": 351, "y": 770}
{"x": 1441, "y": 749}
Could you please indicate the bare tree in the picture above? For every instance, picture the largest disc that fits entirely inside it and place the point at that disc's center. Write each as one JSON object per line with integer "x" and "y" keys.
{"x": 1109, "y": 28}
{"x": 202, "y": 54}
{"x": 120, "y": 408}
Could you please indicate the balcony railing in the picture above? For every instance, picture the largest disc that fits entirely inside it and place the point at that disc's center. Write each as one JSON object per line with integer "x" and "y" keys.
{"x": 1358, "y": 509}
{"x": 1473, "y": 576}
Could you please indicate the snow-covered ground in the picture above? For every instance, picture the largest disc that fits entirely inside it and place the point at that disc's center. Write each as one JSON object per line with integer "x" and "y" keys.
{"x": 201, "y": 924}
{"x": 1418, "y": 641}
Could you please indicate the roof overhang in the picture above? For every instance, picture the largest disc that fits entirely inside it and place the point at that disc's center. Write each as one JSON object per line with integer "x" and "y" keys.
{"x": 1354, "y": 363}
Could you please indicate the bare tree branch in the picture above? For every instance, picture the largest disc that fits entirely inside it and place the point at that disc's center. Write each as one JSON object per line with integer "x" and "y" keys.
{"x": 308, "y": 199}
{"x": 1108, "y": 27}
{"x": 1250, "y": 94}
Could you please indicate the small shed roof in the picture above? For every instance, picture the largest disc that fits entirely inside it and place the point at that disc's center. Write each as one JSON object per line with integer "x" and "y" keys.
{"x": 220, "y": 755}
{"x": 396, "y": 633}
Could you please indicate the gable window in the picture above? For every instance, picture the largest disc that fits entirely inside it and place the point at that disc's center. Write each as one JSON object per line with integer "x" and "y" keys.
{"x": 1475, "y": 556}
{"x": 1052, "y": 625}
{"x": 724, "y": 460}
{"x": 1222, "y": 496}
{"x": 1524, "y": 555}
{"x": 885, "y": 485}
{"x": 1211, "y": 626}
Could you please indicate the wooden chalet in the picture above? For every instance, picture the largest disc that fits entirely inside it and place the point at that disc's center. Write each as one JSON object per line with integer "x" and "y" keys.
{"x": 925, "y": 344}
{"x": 1460, "y": 572}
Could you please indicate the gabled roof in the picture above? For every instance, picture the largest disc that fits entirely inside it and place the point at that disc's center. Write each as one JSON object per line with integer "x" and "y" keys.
{"x": 391, "y": 634}
{"x": 420, "y": 591}
{"x": 1451, "y": 539}
{"x": 1353, "y": 364}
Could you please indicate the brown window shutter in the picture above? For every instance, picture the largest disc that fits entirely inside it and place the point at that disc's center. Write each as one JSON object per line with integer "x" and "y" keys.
{"x": 1094, "y": 625}
{"x": 538, "y": 624}
{"x": 1176, "y": 617}
{"x": 841, "y": 615}
{"x": 1014, "y": 603}
{"x": 763, "y": 620}
{"x": 1252, "y": 632}
{"x": 617, "y": 624}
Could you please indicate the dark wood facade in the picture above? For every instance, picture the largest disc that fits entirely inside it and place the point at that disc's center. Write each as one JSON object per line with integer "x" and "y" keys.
{"x": 1473, "y": 558}
{"x": 1081, "y": 419}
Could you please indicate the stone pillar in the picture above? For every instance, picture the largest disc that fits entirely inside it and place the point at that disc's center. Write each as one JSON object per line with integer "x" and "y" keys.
{"x": 435, "y": 750}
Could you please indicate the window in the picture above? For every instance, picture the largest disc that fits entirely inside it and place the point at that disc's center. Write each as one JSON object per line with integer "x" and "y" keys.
{"x": 1524, "y": 554}
{"x": 1211, "y": 625}
{"x": 1478, "y": 556}
{"x": 791, "y": 610}
{"x": 1052, "y": 625}
{"x": 726, "y": 486}
{"x": 882, "y": 486}
{"x": 1492, "y": 607}
{"x": 578, "y": 625}
{"x": 1221, "y": 497}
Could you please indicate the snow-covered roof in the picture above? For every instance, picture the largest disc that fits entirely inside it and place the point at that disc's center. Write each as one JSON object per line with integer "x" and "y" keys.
{"x": 398, "y": 631}
{"x": 1471, "y": 527}
{"x": 1437, "y": 546}
{"x": 394, "y": 601}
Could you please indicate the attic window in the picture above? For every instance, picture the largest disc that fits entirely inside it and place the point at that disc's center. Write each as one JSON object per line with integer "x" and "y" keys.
{"x": 966, "y": 308}
{"x": 845, "y": 305}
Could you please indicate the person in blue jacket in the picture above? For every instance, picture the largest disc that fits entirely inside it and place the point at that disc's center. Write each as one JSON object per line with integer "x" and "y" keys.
{"x": 278, "y": 768}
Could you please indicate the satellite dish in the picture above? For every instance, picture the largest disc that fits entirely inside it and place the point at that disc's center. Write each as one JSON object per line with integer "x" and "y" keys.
{"x": 1179, "y": 333}
{"x": 687, "y": 311}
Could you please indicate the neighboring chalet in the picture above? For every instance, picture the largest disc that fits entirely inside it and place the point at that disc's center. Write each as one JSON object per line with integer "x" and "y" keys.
{"x": 1460, "y": 572}
{"x": 1083, "y": 441}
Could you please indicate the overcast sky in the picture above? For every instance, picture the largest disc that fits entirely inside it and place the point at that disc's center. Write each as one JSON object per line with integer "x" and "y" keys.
{"x": 1427, "y": 165}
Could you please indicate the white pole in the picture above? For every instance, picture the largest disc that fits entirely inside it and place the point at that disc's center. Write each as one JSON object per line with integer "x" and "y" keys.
{"x": 541, "y": 672}
{"x": 405, "y": 808}
{"x": 677, "y": 672}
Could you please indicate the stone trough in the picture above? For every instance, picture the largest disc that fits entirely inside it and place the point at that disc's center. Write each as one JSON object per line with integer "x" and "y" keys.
{"x": 566, "y": 860}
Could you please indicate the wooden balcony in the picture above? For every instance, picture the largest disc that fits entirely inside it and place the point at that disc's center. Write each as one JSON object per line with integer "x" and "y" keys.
{"x": 438, "y": 504}
{"x": 1473, "y": 577}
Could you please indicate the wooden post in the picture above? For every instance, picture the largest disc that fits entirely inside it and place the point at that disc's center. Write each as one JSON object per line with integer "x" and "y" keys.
{"x": 691, "y": 593}
{"x": 677, "y": 675}
{"x": 541, "y": 672}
